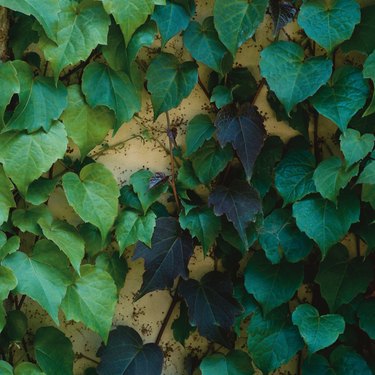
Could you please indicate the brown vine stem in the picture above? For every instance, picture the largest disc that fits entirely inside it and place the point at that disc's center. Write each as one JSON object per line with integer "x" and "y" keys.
{"x": 81, "y": 355}
{"x": 173, "y": 182}
{"x": 80, "y": 66}
{"x": 203, "y": 87}
{"x": 259, "y": 89}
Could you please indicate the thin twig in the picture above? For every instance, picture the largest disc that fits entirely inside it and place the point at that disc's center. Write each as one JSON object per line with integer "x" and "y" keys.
{"x": 358, "y": 245}
{"x": 22, "y": 300}
{"x": 259, "y": 89}
{"x": 203, "y": 87}
{"x": 80, "y": 66}
{"x": 81, "y": 355}
{"x": 24, "y": 344}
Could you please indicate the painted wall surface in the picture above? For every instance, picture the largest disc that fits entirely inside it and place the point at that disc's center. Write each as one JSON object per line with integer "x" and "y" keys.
{"x": 133, "y": 152}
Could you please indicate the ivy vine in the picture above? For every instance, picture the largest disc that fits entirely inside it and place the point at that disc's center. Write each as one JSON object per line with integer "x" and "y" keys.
{"x": 273, "y": 216}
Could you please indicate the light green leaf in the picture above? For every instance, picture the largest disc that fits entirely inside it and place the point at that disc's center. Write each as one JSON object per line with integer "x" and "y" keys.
{"x": 279, "y": 236}
{"x": 10, "y": 85}
{"x": 40, "y": 190}
{"x": 86, "y": 126}
{"x": 117, "y": 92}
{"x": 203, "y": 43}
{"x": 369, "y": 72}
{"x": 9, "y": 247}
{"x": 6, "y": 368}
{"x": 44, "y": 276}
{"x": 132, "y": 227}
{"x": 342, "y": 279}
{"x": 200, "y": 128}
{"x": 331, "y": 176}
{"x": 203, "y": 224}
{"x": 317, "y": 331}
{"x": 324, "y": 222}
{"x": 368, "y": 174}
{"x": 210, "y": 160}
{"x": 272, "y": 339}
{"x": 237, "y": 20}
{"x": 53, "y": 351}
{"x": 342, "y": 97}
{"x": 236, "y": 362}
{"x": 27, "y": 219}
{"x": 171, "y": 19}
{"x": 92, "y": 300}
{"x": 27, "y": 368}
{"x": 169, "y": 82}
{"x": 356, "y": 146}
{"x": 144, "y": 36}
{"x": 272, "y": 285}
{"x": 366, "y": 315}
{"x": 43, "y": 149}
{"x": 140, "y": 181}
{"x": 41, "y": 102}
{"x": 6, "y": 196}
{"x": 294, "y": 176}
{"x": 129, "y": 14}
{"x": 93, "y": 195}
{"x": 221, "y": 96}
{"x": 81, "y": 27}
{"x": 8, "y": 283}
{"x": 292, "y": 77}
{"x": 327, "y": 22}
{"x": 66, "y": 237}
{"x": 45, "y": 11}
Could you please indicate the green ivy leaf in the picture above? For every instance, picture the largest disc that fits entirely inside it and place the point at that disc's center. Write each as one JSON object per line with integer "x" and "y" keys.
{"x": 115, "y": 265}
{"x": 45, "y": 11}
{"x": 41, "y": 102}
{"x": 6, "y": 196}
{"x": 343, "y": 97}
{"x": 294, "y": 176}
{"x": 132, "y": 227}
{"x": 27, "y": 219}
{"x": 316, "y": 364}
{"x": 66, "y": 237}
{"x": 126, "y": 354}
{"x": 117, "y": 92}
{"x": 6, "y": 368}
{"x": 169, "y": 82}
{"x": 140, "y": 181}
{"x": 93, "y": 195}
{"x": 91, "y": 299}
{"x": 129, "y": 15}
{"x": 329, "y": 23}
{"x": 86, "y": 126}
{"x": 331, "y": 176}
{"x": 43, "y": 150}
{"x": 202, "y": 224}
{"x": 244, "y": 130}
{"x": 172, "y": 18}
{"x": 317, "y": 331}
{"x": 43, "y": 276}
{"x": 199, "y": 129}
{"x": 9, "y": 246}
{"x": 292, "y": 77}
{"x": 80, "y": 28}
{"x": 369, "y": 72}
{"x": 181, "y": 326}
{"x": 241, "y": 17}
{"x": 210, "y": 160}
{"x": 361, "y": 39}
{"x": 272, "y": 339}
{"x": 272, "y": 285}
{"x": 221, "y": 96}
{"x": 53, "y": 351}
{"x": 167, "y": 258}
{"x": 239, "y": 202}
{"x": 236, "y": 362}
{"x": 368, "y": 174}
{"x": 342, "y": 279}
{"x": 366, "y": 316}
{"x": 8, "y": 283}
{"x": 203, "y": 43}
{"x": 40, "y": 190}
{"x": 243, "y": 85}
{"x": 324, "y": 222}
{"x": 27, "y": 368}
{"x": 10, "y": 85}
{"x": 279, "y": 236}
{"x": 356, "y": 146}
{"x": 186, "y": 177}
{"x": 211, "y": 304}
{"x": 129, "y": 199}
{"x": 144, "y": 36}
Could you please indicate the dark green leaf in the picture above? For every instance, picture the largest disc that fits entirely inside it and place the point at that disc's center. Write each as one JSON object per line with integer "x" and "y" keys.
{"x": 366, "y": 315}
{"x": 144, "y": 36}
{"x": 369, "y": 72}
{"x": 356, "y": 146}
{"x": 181, "y": 326}
{"x": 16, "y": 325}
{"x": 346, "y": 361}
{"x": 40, "y": 190}
{"x": 243, "y": 84}
{"x": 8, "y": 283}
{"x": 129, "y": 199}
{"x": 115, "y": 265}
{"x": 6, "y": 197}
{"x": 27, "y": 220}
{"x": 282, "y": 13}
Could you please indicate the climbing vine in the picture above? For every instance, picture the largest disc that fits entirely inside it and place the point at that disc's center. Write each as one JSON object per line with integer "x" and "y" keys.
{"x": 272, "y": 215}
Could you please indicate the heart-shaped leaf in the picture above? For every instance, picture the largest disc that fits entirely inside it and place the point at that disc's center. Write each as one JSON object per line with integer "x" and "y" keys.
{"x": 169, "y": 82}
{"x": 244, "y": 129}
{"x": 126, "y": 354}
{"x": 40, "y": 190}
{"x": 290, "y": 76}
{"x": 317, "y": 331}
{"x": 241, "y": 17}
{"x": 327, "y": 22}
{"x": 369, "y": 72}
{"x": 355, "y": 146}
{"x": 167, "y": 258}
{"x": 93, "y": 195}
{"x": 343, "y": 97}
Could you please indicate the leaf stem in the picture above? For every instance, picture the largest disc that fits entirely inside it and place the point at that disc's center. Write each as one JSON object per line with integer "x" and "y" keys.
{"x": 81, "y": 355}
{"x": 259, "y": 89}
{"x": 203, "y": 87}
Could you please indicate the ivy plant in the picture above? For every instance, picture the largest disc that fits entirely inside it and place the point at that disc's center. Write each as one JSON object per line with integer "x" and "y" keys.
{"x": 277, "y": 216}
